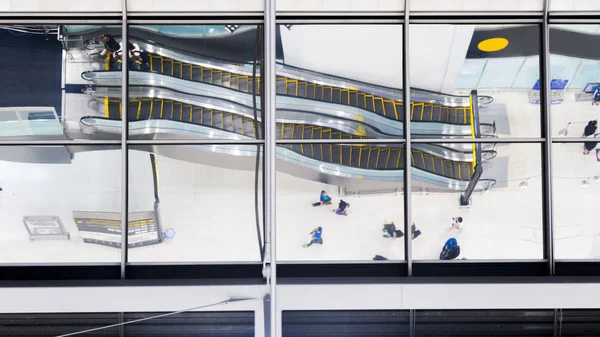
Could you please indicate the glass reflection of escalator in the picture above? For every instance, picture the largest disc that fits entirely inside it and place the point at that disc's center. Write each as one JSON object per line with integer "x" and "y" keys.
{"x": 385, "y": 106}
{"x": 369, "y": 157}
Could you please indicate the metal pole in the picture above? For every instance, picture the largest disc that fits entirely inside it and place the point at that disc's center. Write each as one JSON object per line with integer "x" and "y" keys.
{"x": 407, "y": 145}
{"x": 270, "y": 262}
{"x": 124, "y": 131}
{"x": 547, "y": 153}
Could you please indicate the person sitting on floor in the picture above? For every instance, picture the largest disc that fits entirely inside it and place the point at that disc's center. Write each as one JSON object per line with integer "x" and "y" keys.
{"x": 451, "y": 250}
{"x": 315, "y": 237}
{"x": 390, "y": 229}
{"x": 414, "y": 231}
{"x": 342, "y": 208}
{"x": 324, "y": 199}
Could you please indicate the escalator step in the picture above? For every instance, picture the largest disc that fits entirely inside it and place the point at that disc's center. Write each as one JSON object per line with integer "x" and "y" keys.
{"x": 416, "y": 113}
{"x": 419, "y": 160}
{"x": 429, "y": 164}
{"x": 439, "y": 166}
{"x": 400, "y": 110}
{"x": 451, "y": 117}
{"x": 278, "y": 127}
{"x": 336, "y": 135}
{"x": 384, "y": 155}
{"x": 346, "y": 136}
{"x": 457, "y": 170}
{"x": 336, "y": 158}
{"x": 256, "y": 87}
{"x": 186, "y": 113}
{"x": 197, "y": 74}
{"x": 345, "y": 97}
{"x": 326, "y": 154}
{"x": 206, "y": 75}
{"x": 317, "y": 151}
{"x": 355, "y": 156}
{"x": 217, "y": 77}
{"x": 168, "y": 67}
{"x": 370, "y": 104}
{"x": 288, "y": 131}
{"x": 448, "y": 169}
{"x": 178, "y": 111}
{"x": 465, "y": 171}
{"x": 298, "y": 131}
{"x": 302, "y": 89}
{"x": 327, "y": 94}
{"x": 217, "y": 121}
{"x": 196, "y": 113}
{"x": 310, "y": 91}
{"x": 444, "y": 114}
{"x": 346, "y": 155}
{"x": 354, "y": 98}
{"x": 187, "y": 74}
{"x": 228, "y": 122}
{"x": 326, "y": 134}
{"x": 392, "y": 163}
{"x": 308, "y": 130}
{"x": 280, "y": 87}
{"x": 234, "y": 82}
{"x": 437, "y": 113}
{"x": 206, "y": 117}
{"x": 319, "y": 92}
{"x": 156, "y": 63}
{"x": 336, "y": 95}
{"x": 158, "y": 106}
{"x": 317, "y": 133}
{"x": 249, "y": 128}
{"x": 146, "y": 109}
{"x": 132, "y": 108}
{"x": 225, "y": 79}
{"x": 292, "y": 89}
{"x": 389, "y": 109}
{"x": 373, "y": 158}
{"x": 364, "y": 157}
{"x": 361, "y": 100}
{"x": 167, "y": 109}
{"x": 427, "y": 112}
{"x": 244, "y": 84}
{"x": 379, "y": 107}
{"x": 177, "y": 71}
{"x": 114, "y": 110}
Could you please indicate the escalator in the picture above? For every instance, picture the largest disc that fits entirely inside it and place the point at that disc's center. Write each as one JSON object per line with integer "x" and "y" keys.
{"x": 370, "y": 157}
{"x": 387, "y": 103}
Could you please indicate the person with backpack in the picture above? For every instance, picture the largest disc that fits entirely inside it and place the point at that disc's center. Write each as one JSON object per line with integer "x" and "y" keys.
{"x": 316, "y": 237}
{"x": 342, "y": 208}
{"x": 324, "y": 199}
{"x": 451, "y": 250}
{"x": 390, "y": 230}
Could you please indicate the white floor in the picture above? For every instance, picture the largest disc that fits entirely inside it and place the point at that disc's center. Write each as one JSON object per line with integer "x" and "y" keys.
{"x": 212, "y": 209}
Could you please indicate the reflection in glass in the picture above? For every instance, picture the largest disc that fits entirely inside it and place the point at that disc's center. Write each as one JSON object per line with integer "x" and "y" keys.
{"x": 327, "y": 88}
{"x": 486, "y": 71}
{"x": 504, "y": 217}
{"x": 576, "y": 184}
{"x": 187, "y": 82}
{"x": 574, "y": 61}
{"x": 58, "y": 204}
{"x": 46, "y": 92}
{"x": 342, "y": 195}
{"x": 206, "y": 202}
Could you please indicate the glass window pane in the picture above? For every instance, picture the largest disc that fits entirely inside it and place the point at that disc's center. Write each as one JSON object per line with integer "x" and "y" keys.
{"x": 336, "y": 199}
{"x": 476, "y": 5}
{"x": 206, "y": 203}
{"x": 47, "y": 90}
{"x": 60, "y": 204}
{"x": 576, "y": 185}
{"x": 327, "y": 88}
{"x": 493, "y": 67}
{"x": 574, "y": 62}
{"x": 338, "y": 6}
{"x": 503, "y": 219}
{"x": 194, "y": 82}
{"x": 574, "y": 5}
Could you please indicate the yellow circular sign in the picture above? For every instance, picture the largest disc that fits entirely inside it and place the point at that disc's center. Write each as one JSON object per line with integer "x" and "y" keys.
{"x": 493, "y": 44}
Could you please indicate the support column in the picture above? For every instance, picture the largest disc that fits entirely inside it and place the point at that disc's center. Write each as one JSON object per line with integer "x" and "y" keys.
{"x": 407, "y": 144}
{"x": 124, "y": 153}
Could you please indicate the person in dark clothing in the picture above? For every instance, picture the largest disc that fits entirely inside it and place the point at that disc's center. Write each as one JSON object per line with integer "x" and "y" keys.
{"x": 451, "y": 250}
{"x": 589, "y": 146}
{"x": 315, "y": 237}
{"x": 590, "y": 129}
{"x": 110, "y": 44}
{"x": 390, "y": 230}
{"x": 414, "y": 232}
{"x": 596, "y": 95}
{"x": 324, "y": 199}
{"x": 342, "y": 208}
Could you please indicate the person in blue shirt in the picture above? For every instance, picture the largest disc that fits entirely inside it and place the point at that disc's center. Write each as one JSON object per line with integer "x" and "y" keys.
{"x": 315, "y": 237}
{"x": 451, "y": 250}
{"x": 324, "y": 199}
{"x": 596, "y": 95}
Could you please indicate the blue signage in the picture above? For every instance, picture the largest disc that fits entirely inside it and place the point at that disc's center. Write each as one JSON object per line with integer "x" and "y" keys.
{"x": 556, "y": 88}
